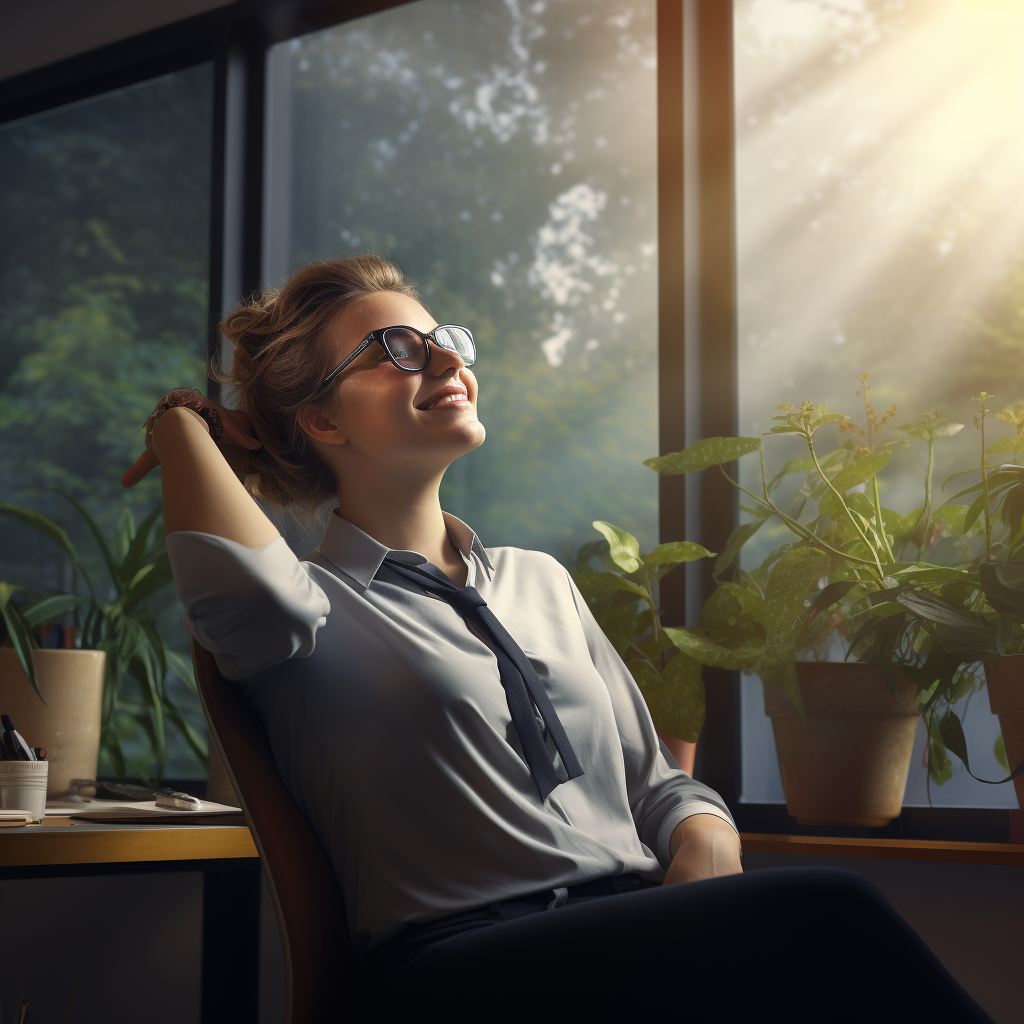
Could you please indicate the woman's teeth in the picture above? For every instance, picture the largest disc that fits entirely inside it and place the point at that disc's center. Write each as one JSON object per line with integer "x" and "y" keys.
{"x": 448, "y": 400}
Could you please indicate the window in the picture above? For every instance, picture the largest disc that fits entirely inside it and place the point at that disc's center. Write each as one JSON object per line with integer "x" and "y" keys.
{"x": 879, "y": 150}
{"x": 503, "y": 155}
{"x": 105, "y": 207}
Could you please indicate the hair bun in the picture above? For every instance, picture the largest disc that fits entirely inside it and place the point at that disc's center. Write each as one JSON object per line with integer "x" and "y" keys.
{"x": 250, "y": 323}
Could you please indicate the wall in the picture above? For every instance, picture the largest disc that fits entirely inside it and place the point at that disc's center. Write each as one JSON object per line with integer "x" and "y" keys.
{"x": 34, "y": 33}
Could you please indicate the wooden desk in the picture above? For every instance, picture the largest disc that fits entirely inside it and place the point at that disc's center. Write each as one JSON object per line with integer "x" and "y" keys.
{"x": 886, "y": 849}
{"x": 227, "y": 858}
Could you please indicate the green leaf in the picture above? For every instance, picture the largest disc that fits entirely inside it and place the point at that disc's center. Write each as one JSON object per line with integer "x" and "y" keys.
{"x": 665, "y": 557}
{"x": 148, "y": 583}
{"x": 951, "y": 517}
{"x": 682, "y": 710}
{"x": 733, "y": 609}
{"x": 853, "y": 475}
{"x": 591, "y": 550}
{"x": 674, "y": 698}
{"x": 829, "y": 417}
{"x": 593, "y": 584}
{"x": 194, "y": 740}
{"x": 887, "y": 641}
{"x": 977, "y": 507}
{"x": 832, "y": 594}
{"x": 47, "y": 609}
{"x": 778, "y": 668}
{"x": 952, "y": 732}
{"x": 939, "y": 668}
{"x": 901, "y": 527}
{"x": 1000, "y": 752}
{"x": 19, "y": 632}
{"x": 709, "y": 451}
{"x": 44, "y": 525}
{"x": 97, "y": 536}
{"x": 930, "y": 574}
{"x": 925, "y": 431}
{"x": 968, "y": 637}
{"x": 623, "y": 546}
{"x": 1006, "y": 446}
{"x": 884, "y": 609}
{"x": 124, "y": 534}
{"x": 677, "y": 551}
{"x": 792, "y": 466}
{"x": 705, "y": 650}
{"x": 182, "y": 668}
{"x": 795, "y": 575}
{"x": 1004, "y": 587}
{"x": 737, "y": 539}
{"x": 50, "y": 529}
{"x": 136, "y": 556}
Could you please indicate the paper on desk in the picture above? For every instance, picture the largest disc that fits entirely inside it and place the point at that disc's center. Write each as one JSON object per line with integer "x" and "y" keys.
{"x": 139, "y": 810}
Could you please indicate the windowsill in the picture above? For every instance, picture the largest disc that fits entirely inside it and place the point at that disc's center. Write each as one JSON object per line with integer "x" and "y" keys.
{"x": 885, "y": 849}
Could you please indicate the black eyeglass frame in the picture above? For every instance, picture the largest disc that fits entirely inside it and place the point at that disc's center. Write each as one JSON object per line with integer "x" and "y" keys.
{"x": 379, "y": 335}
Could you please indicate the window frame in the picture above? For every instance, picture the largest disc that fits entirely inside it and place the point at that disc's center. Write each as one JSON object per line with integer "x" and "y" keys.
{"x": 696, "y": 245}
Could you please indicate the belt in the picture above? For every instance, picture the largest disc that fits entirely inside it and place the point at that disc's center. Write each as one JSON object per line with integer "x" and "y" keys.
{"x": 558, "y": 897}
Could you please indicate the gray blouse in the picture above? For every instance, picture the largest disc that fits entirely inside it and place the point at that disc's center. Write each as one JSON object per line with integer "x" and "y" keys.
{"x": 390, "y": 727}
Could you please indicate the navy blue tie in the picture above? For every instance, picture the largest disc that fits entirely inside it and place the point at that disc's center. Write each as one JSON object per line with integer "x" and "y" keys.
{"x": 518, "y": 677}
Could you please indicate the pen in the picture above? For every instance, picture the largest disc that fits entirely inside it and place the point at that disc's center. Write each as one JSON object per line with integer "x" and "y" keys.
{"x": 14, "y": 747}
{"x": 179, "y": 801}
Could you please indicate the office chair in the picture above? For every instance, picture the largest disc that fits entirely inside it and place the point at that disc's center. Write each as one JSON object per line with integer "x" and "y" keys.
{"x": 322, "y": 976}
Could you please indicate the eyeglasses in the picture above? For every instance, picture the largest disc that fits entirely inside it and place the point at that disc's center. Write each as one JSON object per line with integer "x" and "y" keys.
{"x": 408, "y": 348}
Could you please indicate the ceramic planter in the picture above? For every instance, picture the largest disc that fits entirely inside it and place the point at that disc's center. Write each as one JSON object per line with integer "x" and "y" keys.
{"x": 68, "y": 724}
{"x": 849, "y": 765}
{"x": 1004, "y": 678}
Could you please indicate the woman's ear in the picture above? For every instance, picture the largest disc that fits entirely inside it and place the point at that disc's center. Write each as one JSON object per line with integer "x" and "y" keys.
{"x": 315, "y": 422}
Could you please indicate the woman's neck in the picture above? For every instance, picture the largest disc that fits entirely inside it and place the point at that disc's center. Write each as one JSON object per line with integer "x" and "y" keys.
{"x": 402, "y": 518}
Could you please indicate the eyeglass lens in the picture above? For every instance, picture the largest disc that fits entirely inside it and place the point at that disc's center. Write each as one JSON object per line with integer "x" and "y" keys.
{"x": 410, "y": 349}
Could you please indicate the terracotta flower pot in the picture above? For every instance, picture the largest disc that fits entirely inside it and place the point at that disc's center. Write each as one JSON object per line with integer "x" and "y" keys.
{"x": 849, "y": 766}
{"x": 68, "y": 724}
{"x": 1005, "y": 680}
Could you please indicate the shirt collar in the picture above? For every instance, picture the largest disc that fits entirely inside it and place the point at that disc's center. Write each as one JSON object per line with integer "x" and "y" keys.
{"x": 359, "y": 556}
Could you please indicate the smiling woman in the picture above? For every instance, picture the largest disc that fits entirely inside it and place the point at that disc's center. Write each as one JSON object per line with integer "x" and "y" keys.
{"x": 289, "y": 376}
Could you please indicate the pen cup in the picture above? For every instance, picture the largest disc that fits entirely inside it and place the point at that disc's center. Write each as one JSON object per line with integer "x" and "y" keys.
{"x": 23, "y": 786}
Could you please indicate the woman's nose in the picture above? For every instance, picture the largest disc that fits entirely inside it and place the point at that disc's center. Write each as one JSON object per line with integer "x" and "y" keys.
{"x": 449, "y": 356}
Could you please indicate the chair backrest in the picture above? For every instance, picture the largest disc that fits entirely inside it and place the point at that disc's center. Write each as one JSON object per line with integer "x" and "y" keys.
{"x": 322, "y": 975}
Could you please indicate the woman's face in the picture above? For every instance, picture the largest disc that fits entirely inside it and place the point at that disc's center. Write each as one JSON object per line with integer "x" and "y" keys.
{"x": 378, "y": 413}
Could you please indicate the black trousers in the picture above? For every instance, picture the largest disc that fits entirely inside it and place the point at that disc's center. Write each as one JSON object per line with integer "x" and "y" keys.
{"x": 817, "y": 945}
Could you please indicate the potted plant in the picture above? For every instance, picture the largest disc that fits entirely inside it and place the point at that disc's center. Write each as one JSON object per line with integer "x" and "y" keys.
{"x": 844, "y": 729}
{"x": 975, "y": 619}
{"x": 623, "y": 602}
{"x": 74, "y": 700}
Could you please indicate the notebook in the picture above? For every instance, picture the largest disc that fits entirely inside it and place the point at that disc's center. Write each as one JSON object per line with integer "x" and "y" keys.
{"x": 143, "y": 812}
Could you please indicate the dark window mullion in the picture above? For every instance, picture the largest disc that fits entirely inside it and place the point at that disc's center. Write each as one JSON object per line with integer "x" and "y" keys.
{"x": 237, "y": 207}
{"x": 714, "y": 275}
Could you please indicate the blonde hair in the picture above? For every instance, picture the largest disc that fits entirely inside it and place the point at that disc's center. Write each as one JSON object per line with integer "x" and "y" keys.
{"x": 281, "y": 356}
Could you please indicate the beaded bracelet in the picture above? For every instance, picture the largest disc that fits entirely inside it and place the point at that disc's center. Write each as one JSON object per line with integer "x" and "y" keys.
{"x": 192, "y": 399}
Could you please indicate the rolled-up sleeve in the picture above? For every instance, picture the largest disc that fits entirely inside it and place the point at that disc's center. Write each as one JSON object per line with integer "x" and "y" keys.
{"x": 251, "y": 608}
{"x": 660, "y": 796}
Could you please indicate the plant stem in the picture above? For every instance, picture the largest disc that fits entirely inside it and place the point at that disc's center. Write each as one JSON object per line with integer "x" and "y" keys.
{"x": 798, "y": 528}
{"x": 881, "y": 522}
{"x": 842, "y": 502}
{"x": 928, "y": 495}
{"x": 650, "y": 603}
{"x": 984, "y": 484}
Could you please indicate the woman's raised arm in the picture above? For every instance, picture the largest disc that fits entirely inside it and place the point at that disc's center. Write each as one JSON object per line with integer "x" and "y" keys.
{"x": 200, "y": 489}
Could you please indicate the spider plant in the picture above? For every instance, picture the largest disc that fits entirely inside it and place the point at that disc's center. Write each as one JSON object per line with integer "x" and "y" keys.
{"x": 118, "y": 621}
